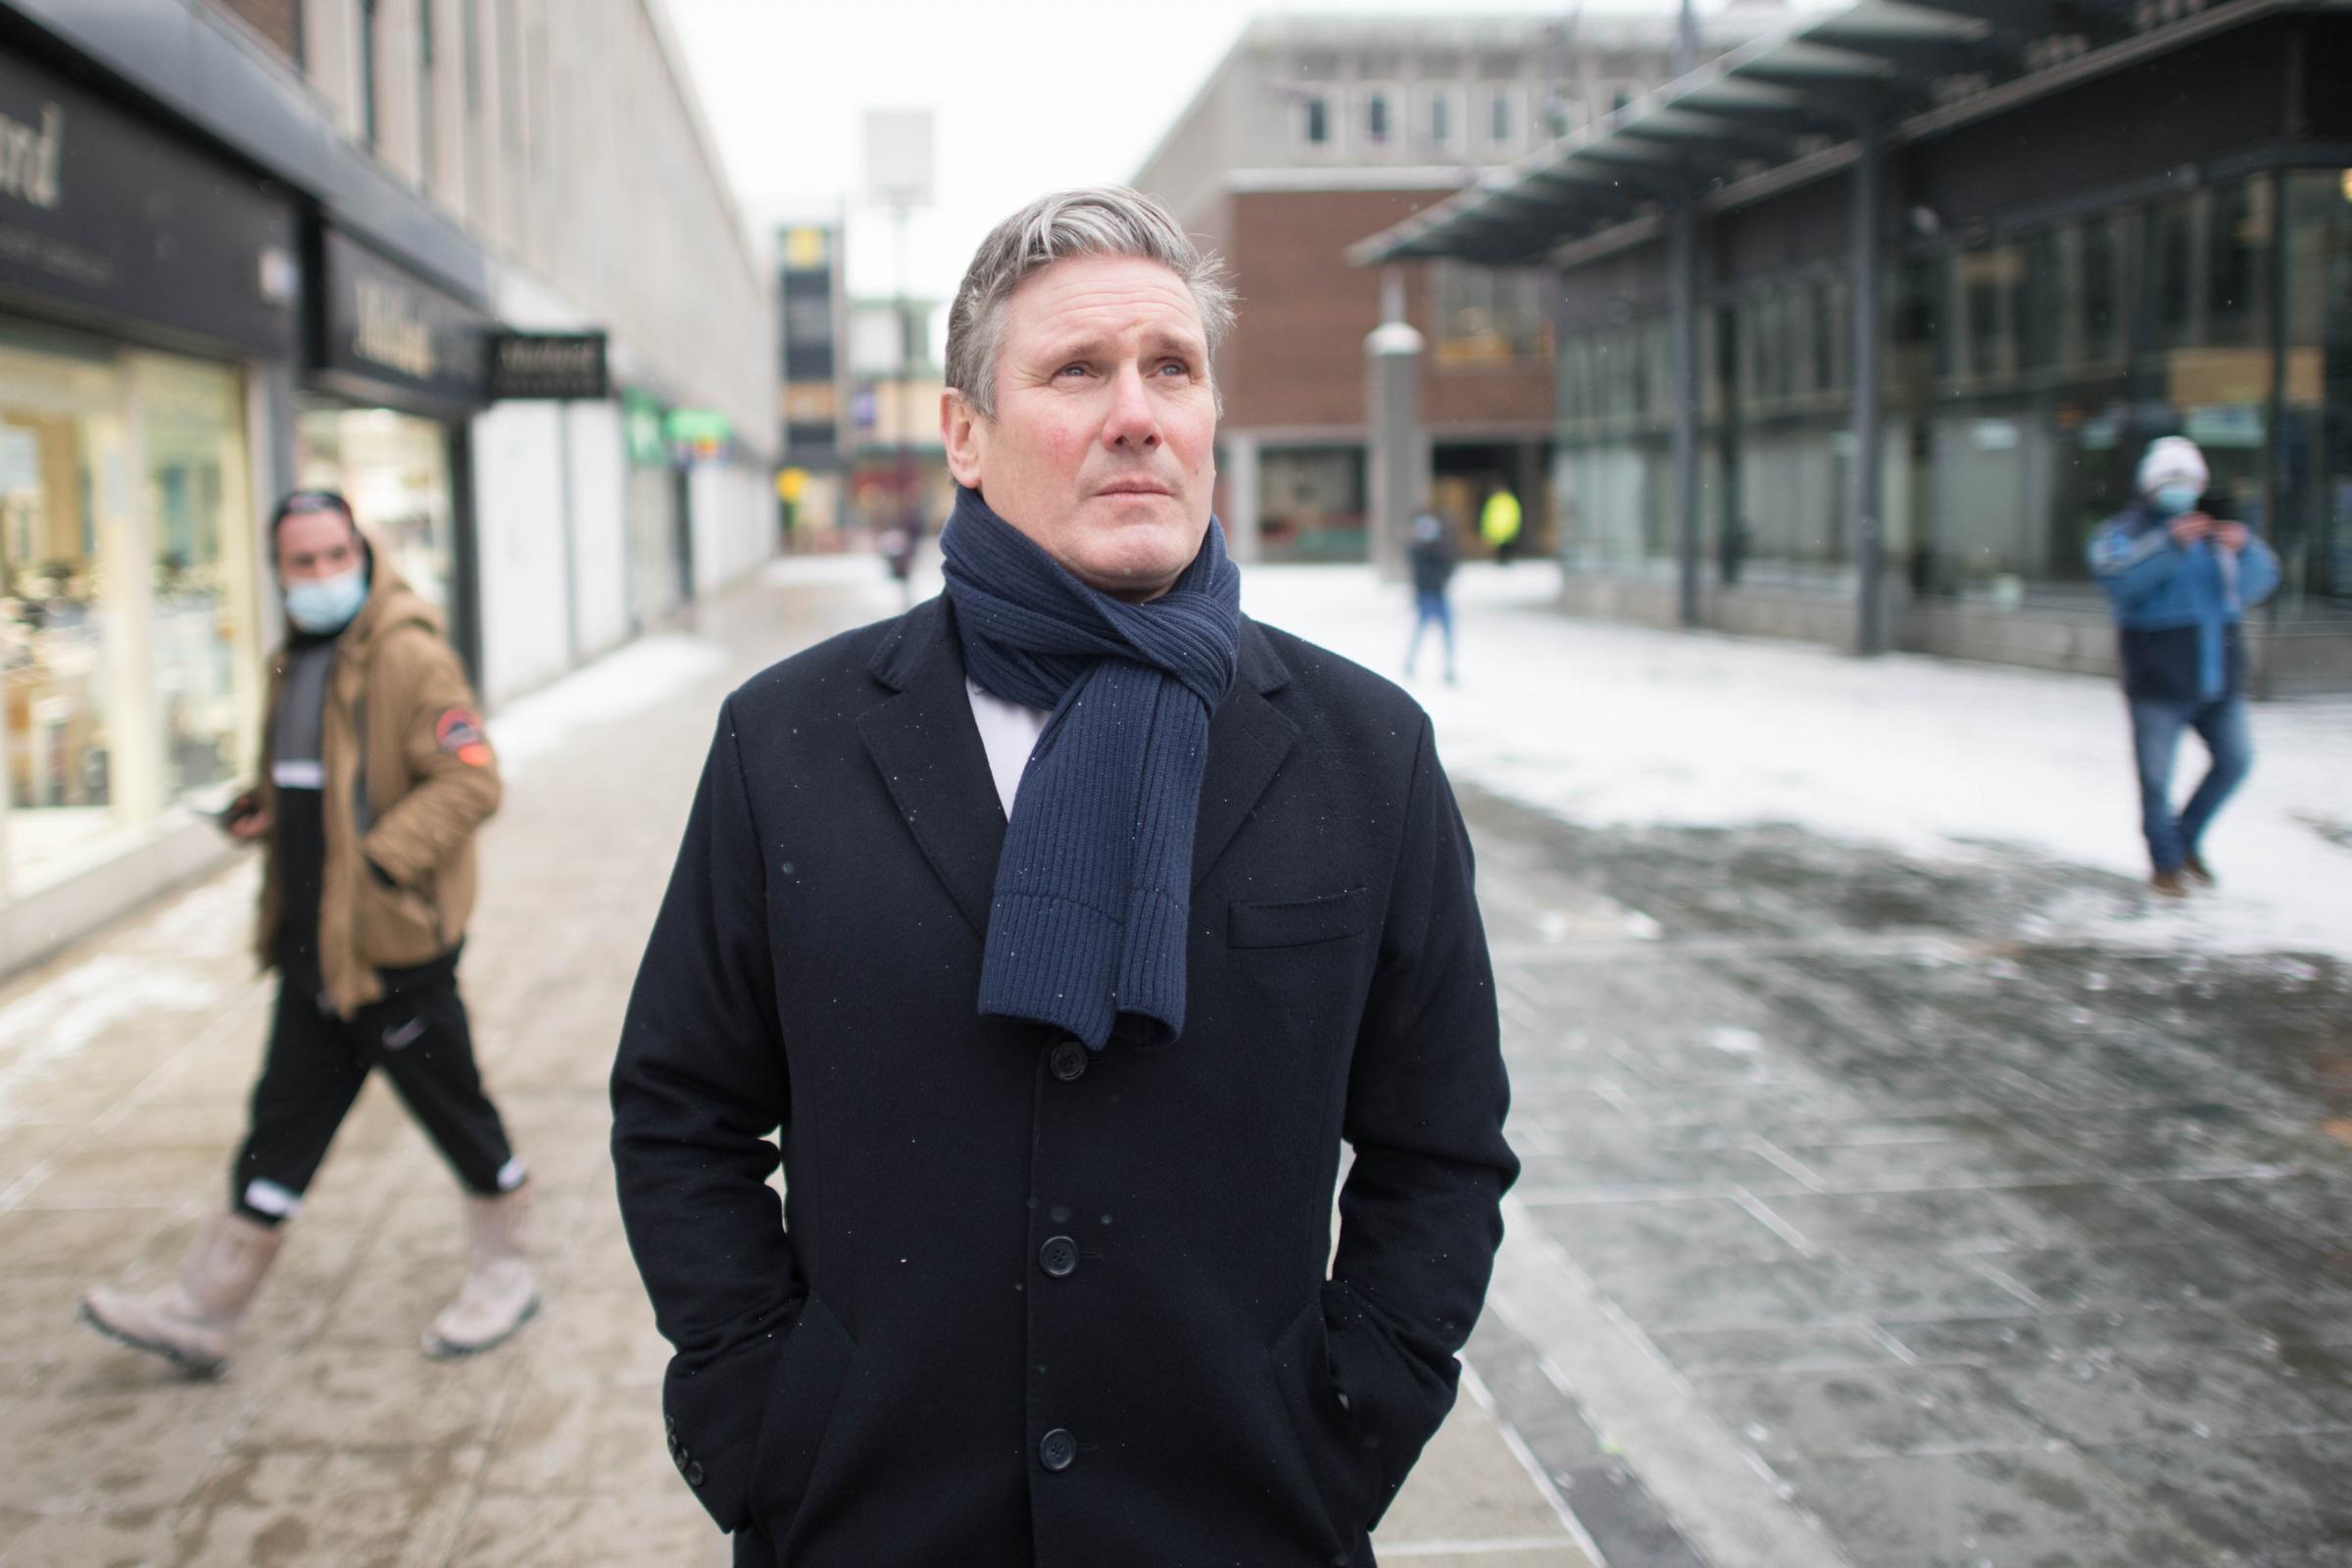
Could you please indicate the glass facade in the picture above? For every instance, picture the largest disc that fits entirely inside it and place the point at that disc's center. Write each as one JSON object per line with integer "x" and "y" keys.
{"x": 394, "y": 469}
{"x": 2315, "y": 416}
{"x": 1312, "y": 504}
{"x": 129, "y": 635}
{"x": 659, "y": 578}
{"x": 2026, "y": 371}
{"x": 1489, "y": 316}
{"x": 2032, "y": 370}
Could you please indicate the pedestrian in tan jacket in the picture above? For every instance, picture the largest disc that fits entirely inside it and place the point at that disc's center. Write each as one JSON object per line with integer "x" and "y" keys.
{"x": 375, "y": 773}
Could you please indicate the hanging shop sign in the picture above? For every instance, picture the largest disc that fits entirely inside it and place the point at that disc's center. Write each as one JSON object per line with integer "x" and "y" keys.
{"x": 102, "y": 215}
{"x": 565, "y": 366}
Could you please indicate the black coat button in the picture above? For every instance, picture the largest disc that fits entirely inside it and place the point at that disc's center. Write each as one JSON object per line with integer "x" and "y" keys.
{"x": 1069, "y": 1061}
{"x": 1057, "y": 1448}
{"x": 694, "y": 1473}
{"x": 1058, "y": 1256}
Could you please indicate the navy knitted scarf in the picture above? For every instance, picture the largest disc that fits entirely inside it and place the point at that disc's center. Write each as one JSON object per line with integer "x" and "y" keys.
{"x": 1087, "y": 930}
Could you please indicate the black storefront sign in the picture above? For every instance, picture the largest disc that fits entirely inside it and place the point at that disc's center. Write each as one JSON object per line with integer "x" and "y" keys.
{"x": 548, "y": 365}
{"x": 385, "y": 333}
{"x": 106, "y": 217}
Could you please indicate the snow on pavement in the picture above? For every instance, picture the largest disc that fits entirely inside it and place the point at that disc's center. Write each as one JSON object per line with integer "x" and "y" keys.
{"x": 628, "y": 680}
{"x": 1605, "y": 724}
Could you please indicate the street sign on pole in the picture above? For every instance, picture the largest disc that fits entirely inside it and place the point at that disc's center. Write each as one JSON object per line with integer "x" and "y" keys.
{"x": 898, "y": 157}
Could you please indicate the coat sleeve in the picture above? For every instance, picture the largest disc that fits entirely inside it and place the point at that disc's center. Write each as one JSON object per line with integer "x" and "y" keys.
{"x": 2133, "y": 568}
{"x": 457, "y": 784}
{"x": 2257, "y": 573}
{"x": 1420, "y": 1215}
{"x": 698, "y": 1086}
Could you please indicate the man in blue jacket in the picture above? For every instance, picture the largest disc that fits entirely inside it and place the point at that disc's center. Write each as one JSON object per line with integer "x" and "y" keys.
{"x": 2180, "y": 583}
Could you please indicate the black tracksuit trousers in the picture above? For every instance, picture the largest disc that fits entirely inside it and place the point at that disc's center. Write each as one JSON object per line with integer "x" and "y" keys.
{"x": 418, "y": 1033}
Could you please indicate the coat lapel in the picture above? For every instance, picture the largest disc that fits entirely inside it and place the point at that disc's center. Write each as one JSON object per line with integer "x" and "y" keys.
{"x": 928, "y": 747}
{"x": 1247, "y": 740}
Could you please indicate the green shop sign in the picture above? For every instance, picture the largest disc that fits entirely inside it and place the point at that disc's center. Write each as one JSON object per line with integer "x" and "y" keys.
{"x": 704, "y": 429}
{"x": 641, "y": 431}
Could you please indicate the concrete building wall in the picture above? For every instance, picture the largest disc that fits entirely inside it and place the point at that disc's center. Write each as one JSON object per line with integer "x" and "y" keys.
{"x": 509, "y": 124}
{"x": 279, "y": 23}
{"x": 520, "y": 550}
{"x": 1188, "y": 169}
{"x": 599, "y": 493}
{"x": 1580, "y": 63}
{"x": 735, "y": 529}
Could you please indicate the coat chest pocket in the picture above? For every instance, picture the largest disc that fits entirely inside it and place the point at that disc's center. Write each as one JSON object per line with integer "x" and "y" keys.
{"x": 1299, "y": 923}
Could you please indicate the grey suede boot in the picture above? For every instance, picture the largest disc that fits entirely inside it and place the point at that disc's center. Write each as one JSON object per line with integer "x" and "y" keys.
{"x": 189, "y": 1321}
{"x": 500, "y": 1292}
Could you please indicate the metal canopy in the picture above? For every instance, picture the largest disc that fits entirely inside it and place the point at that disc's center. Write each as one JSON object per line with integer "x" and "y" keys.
{"x": 1762, "y": 107}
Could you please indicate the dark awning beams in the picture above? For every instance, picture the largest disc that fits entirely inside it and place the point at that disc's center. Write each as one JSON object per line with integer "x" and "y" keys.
{"x": 1762, "y": 118}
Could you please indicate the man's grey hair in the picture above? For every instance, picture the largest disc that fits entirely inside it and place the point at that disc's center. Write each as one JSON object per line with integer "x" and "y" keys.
{"x": 1095, "y": 220}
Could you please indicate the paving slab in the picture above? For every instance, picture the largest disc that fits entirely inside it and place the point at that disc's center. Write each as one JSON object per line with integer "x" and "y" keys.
{"x": 1882, "y": 1208}
{"x": 332, "y": 1440}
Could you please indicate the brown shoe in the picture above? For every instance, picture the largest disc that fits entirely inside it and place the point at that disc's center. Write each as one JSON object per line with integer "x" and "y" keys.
{"x": 2198, "y": 872}
{"x": 189, "y": 1321}
{"x": 2170, "y": 883}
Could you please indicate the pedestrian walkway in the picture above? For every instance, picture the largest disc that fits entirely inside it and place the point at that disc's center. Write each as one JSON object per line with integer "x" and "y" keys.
{"x": 1890, "y": 1202}
{"x": 331, "y": 1440}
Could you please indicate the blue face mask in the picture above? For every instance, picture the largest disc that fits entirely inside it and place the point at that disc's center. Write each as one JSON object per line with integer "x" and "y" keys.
{"x": 326, "y": 604}
{"x": 2174, "y": 499}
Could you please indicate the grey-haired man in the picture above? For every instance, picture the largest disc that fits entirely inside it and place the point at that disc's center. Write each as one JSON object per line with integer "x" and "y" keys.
{"x": 1065, "y": 926}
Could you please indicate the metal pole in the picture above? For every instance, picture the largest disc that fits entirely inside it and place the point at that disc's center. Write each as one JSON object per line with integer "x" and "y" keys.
{"x": 1683, "y": 263}
{"x": 572, "y": 539}
{"x": 2276, "y": 480}
{"x": 1397, "y": 450}
{"x": 1870, "y": 633}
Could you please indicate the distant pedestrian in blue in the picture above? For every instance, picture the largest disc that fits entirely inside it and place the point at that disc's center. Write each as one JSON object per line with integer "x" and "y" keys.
{"x": 2180, "y": 582}
{"x": 1432, "y": 558}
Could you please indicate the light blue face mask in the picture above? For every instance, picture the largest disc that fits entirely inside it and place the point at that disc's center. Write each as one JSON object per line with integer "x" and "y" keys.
{"x": 2174, "y": 499}
{"x": 326, "y": 604}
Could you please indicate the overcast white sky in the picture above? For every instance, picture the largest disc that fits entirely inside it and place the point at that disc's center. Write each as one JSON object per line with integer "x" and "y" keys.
{"x": 1030, "y": 95}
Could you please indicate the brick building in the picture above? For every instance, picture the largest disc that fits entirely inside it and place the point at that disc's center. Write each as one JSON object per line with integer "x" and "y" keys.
{"x": 1313, "y": 132}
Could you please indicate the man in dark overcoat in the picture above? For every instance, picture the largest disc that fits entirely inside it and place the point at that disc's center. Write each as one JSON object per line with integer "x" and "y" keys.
{"x": 1055, "y": 936}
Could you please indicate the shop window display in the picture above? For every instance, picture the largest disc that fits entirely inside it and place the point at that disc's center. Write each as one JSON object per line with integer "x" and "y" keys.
{"x": 128, "y": 597}
{"x": 395, "y": 471}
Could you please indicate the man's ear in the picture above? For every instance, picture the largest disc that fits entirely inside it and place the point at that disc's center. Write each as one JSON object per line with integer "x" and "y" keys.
{"x": 961, "y": 431}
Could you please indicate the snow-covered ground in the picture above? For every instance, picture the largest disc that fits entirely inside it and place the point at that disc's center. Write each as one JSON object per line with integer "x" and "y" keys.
{"x": 628, "y": 680}
{"x": 1605, "y": 724}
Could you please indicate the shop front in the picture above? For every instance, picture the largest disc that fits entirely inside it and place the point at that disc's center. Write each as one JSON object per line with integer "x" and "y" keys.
{"x": 1886, "y": 398}
{"x": 661, "y": 544}
{"x": 396, "y": 368}
{"x": 147, "y": 290}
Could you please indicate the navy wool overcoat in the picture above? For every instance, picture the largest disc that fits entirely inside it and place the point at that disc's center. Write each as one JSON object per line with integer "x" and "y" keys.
{"x": 1021, "y": 1302}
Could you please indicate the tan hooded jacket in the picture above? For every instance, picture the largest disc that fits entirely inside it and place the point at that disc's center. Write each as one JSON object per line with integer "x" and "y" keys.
{"x": 406, "y": 795}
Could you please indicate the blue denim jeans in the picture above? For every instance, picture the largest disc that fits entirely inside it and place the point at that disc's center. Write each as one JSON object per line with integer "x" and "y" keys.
{"x": 2156, "y": 728}
{"x": 1429, "y": 609}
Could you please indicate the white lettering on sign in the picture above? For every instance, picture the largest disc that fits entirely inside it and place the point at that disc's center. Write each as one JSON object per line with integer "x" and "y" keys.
{"x": 29, "y": 157}
{"x": 390, "y": 332}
